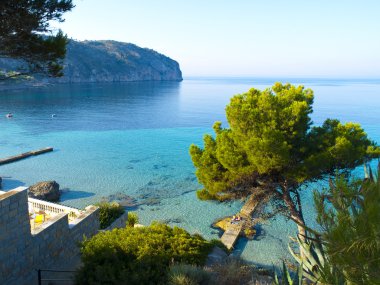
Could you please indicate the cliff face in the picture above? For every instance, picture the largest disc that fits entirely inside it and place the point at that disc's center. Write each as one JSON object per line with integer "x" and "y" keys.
{"x": 108, "y": 61}
{"x": 111, "y": 61}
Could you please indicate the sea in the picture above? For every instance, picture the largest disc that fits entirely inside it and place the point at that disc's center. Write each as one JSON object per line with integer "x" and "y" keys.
{"x": 130, "y": 142}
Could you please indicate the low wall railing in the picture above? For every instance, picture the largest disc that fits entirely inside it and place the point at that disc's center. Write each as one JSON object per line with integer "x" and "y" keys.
{"x": 52, "y": 208}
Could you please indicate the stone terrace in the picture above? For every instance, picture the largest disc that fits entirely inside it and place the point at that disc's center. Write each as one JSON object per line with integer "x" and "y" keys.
{"x": 53, "y": 244}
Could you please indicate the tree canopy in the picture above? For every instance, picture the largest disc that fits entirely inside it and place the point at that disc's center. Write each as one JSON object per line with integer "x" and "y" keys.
{"x": 26, "y": 34}
{"x": 139, "y": 255}
{"x": 271, "y": 146}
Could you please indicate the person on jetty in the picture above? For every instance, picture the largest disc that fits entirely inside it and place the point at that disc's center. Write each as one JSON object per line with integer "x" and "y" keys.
{"x": 235, "y": 219}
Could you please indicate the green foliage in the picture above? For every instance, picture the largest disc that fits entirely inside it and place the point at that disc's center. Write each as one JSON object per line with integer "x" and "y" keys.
{"x": 181, "y": 279}
{"x": 314, "y": 263}
{"x": 271, "y": 146}
{"x": 270, "y": 137}
{"x": 349, "y": 213}
{"x": 25, "y": 34}
{"x": 186, "y": 274}
{"x": 108, "y": 213}
{"x": 133, "y": 219}
{"x": 286, "y": 278}
{"x": 139, "y": 255}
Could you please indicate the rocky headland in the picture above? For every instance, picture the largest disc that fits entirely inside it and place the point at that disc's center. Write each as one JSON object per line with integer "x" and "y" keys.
{"x": 105, "y": 61}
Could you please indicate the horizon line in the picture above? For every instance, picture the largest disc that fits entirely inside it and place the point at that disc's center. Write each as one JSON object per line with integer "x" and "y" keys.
{"x": 280, "y": 77}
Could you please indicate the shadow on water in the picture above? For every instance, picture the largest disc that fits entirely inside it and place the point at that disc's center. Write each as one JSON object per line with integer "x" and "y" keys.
{"x": 67, "y": 194}
{"x": 239, "y": 247}
{"x": 9, "y": 184}
{"x": 260, "y": 233}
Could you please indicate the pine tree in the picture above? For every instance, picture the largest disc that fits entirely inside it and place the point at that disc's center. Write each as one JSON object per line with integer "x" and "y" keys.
{"x": 349, "y": 213}
{"x": 271, "y": 147}
{"x": 26, "y": 35}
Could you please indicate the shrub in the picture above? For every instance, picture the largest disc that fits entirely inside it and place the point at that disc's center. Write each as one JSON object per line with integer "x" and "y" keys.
{"x": 108, "y": 213}
{"x": 181, "y": 279}
{"x": 138, "y": 255}
{"x": 132, "y": 219}
{"x": 181, "y": 274}
{"x": 234, "y": 271}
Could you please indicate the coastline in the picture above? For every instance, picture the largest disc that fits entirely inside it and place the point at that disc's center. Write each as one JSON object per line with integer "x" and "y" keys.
{"x": 134, "y": 139}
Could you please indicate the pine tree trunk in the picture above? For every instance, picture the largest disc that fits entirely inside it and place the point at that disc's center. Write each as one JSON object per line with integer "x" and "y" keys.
{"x": 301, "y": 233}
{"x": 300, "y": 227}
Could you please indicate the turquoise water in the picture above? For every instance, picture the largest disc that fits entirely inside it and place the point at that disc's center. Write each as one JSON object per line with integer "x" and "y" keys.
{"x": 133, "y": 138}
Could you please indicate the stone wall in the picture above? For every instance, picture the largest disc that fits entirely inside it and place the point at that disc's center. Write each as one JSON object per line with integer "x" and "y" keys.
{"x": 54, "y": 245}
{"x": 120, "y": 222}
{"x": 15, "y": 237}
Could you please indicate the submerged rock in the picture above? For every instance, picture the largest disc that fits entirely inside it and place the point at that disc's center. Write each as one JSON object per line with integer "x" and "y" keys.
{"x": 46, "y": 190}
{"x": 173, "y": 221}
{"x": 151, "y": 201}
{"x": 122, "y": 199}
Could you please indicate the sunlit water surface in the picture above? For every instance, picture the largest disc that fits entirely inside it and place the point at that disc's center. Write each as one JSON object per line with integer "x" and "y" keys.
{"x": 132, "y": 139}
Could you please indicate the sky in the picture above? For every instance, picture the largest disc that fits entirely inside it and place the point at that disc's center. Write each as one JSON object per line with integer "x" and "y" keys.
{"x": 258, "y": 38}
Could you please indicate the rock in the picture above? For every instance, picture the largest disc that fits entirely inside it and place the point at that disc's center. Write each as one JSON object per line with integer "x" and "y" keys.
{"x": 46, "y": 190}
{"x": 222, "y": 223}
{"x": 217, "y": 256}
{"x": 122, "y": 199}
{"x": 173, "y": 221}
{"x": 106, "y": 61}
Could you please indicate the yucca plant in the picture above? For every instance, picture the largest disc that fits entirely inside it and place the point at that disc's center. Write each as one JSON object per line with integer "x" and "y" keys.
{"x": 286, "y": 277}
{"x": 347, "y": 251}
{"x": 314, "y": 262}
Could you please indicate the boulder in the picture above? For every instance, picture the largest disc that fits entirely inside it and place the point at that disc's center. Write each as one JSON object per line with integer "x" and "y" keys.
{"x": 46, "y": 190}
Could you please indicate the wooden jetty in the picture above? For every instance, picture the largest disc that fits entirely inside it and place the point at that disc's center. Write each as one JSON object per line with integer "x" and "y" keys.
{"x": 234, "y": 229}
{"x": 25, "y": 155}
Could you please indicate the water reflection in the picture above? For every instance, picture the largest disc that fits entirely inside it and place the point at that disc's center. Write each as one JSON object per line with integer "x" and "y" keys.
{"x": 94, "y": 106}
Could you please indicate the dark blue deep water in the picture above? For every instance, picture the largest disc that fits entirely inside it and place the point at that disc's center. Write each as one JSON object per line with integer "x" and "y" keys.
{"x": 131, "y": 140}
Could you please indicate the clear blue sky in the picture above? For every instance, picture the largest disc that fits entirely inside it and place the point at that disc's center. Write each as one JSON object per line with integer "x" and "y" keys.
{"x": 265, "y": 38}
